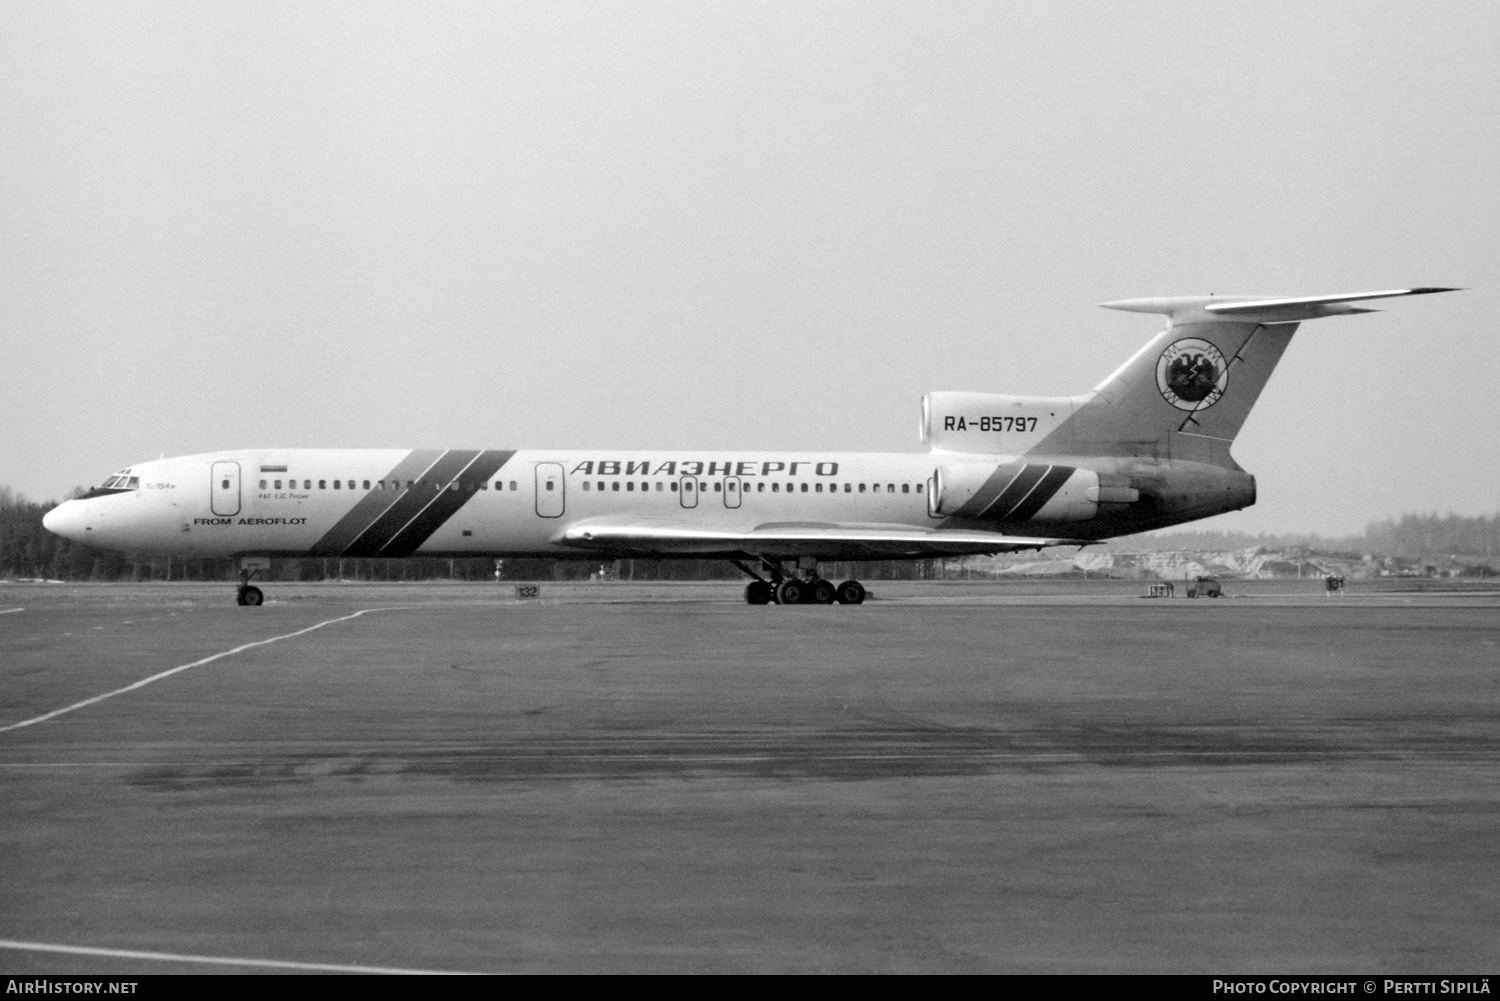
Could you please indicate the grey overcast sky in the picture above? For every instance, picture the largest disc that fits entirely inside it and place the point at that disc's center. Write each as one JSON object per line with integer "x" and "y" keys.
{"x": 738, "y": 225}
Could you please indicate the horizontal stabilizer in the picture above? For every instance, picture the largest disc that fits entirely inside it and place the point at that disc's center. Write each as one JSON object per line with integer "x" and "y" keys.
{"x": 1259, "y": 309}
{"x": 828, "y": 540}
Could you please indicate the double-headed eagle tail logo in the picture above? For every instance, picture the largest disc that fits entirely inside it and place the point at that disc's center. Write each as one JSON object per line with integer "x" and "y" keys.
{"x": 1192, "y": 374}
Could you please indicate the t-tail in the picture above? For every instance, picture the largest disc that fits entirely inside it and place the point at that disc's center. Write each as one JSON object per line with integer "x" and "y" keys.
{"x": 1148, "y": 447}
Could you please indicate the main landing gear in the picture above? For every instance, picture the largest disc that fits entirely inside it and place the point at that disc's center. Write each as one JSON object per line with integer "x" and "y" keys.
{"x": 807, "y": 589}
{"x": 247, "y": 594}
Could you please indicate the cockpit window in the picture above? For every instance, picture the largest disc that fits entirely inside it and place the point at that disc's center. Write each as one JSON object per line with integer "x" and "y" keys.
{"x": 114, "y": 484}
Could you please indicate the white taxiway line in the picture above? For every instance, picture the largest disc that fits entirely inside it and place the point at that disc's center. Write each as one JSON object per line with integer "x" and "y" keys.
{"x": 172, "y": 957}
{"x": 7, "y": 611}
{"x": 183, "y": 667}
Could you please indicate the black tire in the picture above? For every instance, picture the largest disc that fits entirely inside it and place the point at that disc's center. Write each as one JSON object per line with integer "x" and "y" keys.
{"x": 251, "y": 596}
{"x": 821, "y": 592}
{"x": 757, "y": 592}
{"x": 791, "y": 592}
{"x": 851, "y": 592}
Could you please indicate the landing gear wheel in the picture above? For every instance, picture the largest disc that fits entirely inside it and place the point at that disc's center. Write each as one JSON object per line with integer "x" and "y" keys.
{"x": 821, "y": 593}
{"x": 757, "y": 592}
{"x": 791, "y": 592}
{"x": 851, "y": 592}
{"x": 250, "y": 596}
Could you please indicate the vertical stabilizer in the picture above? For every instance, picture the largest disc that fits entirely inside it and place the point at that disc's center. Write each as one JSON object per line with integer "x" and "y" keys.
{"x": 1196, "y": 379}
{"x": 1186, "y": 394}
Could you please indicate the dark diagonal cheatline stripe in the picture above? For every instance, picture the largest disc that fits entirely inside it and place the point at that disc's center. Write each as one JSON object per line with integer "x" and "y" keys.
{"x": 988, "y": 491}
{"x": 373, "y": 504}
{"x": 1016, "y": 492}
{"x": 411, "y": 502}
{"x": 446, "y": 504}
{"x": 1041, "y": 494}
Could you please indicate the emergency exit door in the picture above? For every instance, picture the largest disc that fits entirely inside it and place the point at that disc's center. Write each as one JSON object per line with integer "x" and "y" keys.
{"x": 224, "y": 494}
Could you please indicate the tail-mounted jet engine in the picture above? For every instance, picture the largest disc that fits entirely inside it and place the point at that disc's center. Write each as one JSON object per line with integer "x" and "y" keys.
{"x": 991, "y": 423}
{"x": 1020, "y": 491}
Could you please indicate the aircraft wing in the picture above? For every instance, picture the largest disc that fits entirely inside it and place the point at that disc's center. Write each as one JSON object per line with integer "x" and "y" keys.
{"x": 828, "y": 540}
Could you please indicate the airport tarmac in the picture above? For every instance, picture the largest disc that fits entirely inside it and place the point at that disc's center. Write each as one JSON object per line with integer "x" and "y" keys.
{"x": 961, "y": 777}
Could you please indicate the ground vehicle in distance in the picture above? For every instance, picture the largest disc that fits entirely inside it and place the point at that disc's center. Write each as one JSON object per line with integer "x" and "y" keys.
{"x": 1207, "y": 587}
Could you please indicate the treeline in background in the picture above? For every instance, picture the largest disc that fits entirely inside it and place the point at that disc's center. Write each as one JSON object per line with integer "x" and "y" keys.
{"x": 28, "y": 551}
{"x": 1413, "y": 536}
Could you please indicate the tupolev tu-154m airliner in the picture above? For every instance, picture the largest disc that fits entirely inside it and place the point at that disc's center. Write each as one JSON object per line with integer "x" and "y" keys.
{"x": 1147, "y": 448}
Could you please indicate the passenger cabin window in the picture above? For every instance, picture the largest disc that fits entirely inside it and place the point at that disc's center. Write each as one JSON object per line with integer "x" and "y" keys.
{"x": 262, "y": 484}
{"x": 906, "y": 488}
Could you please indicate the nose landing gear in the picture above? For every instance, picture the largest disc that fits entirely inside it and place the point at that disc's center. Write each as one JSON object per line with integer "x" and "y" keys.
{"x": 248, "y": 595}
{"x": 787, "y": 588}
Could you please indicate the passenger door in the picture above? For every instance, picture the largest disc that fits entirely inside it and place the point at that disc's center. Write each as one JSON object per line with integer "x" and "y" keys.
{"x": 550, "y": 489}
{"x": 224, "y": 493}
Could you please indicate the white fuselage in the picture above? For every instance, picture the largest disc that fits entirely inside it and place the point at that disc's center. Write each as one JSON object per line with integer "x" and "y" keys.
{"x": 398, "y": 502}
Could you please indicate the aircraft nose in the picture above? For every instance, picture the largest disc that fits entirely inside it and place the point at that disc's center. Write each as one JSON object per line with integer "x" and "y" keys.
{"x": 66, "y": 520}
